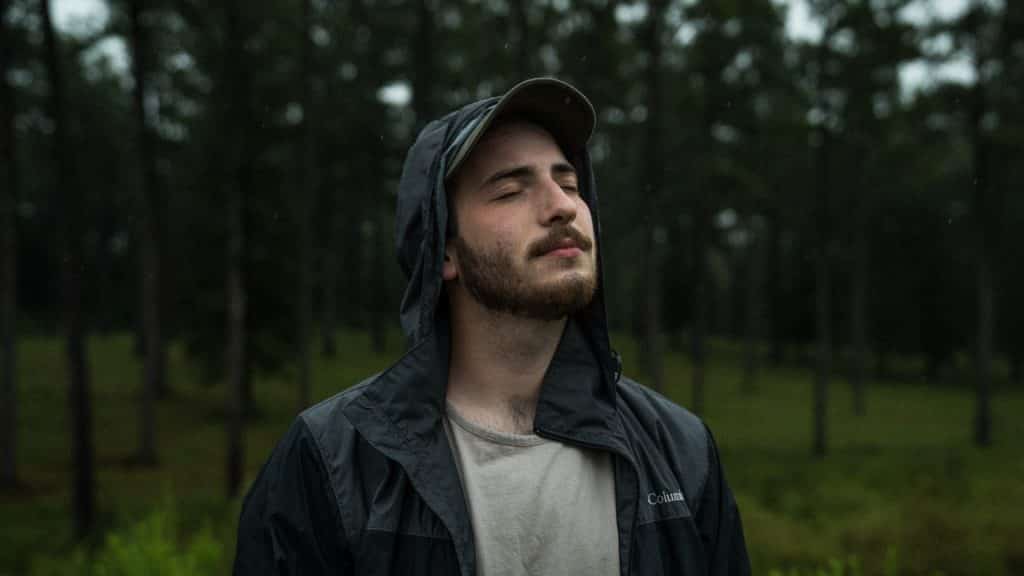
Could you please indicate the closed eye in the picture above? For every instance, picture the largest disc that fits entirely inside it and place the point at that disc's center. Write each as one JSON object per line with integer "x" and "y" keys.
{"x": 507, "y": 195}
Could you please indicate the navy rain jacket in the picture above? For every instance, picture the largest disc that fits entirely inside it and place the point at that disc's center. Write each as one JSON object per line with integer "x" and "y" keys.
{"x": 365, "y": 482}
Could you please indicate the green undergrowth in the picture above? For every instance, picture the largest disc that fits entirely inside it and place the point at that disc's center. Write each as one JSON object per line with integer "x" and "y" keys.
{"x": 160, "y": 544}
{"x": 902, "y": 491}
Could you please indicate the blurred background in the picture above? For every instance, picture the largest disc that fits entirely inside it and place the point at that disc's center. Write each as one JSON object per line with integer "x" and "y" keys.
{"x": 812, "y": 240}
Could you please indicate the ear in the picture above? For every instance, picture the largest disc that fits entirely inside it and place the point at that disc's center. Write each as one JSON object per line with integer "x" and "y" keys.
{"x": 449, "y": 270}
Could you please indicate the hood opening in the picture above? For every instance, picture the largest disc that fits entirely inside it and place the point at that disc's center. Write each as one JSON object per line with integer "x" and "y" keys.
{"x": 421, "y": 227}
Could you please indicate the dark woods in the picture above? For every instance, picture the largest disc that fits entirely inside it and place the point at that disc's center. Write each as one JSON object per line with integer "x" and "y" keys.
{"x": 223, "y": 175}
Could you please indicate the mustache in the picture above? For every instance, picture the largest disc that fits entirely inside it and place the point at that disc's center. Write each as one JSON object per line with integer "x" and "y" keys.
{"x": 556, "y": 237}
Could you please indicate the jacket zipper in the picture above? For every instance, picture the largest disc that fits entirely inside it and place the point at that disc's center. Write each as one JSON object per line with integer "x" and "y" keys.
{"x": 636, "y": 496}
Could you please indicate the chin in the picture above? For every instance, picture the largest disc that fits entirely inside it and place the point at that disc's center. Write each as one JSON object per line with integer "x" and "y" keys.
{"x": 574, "y": 283}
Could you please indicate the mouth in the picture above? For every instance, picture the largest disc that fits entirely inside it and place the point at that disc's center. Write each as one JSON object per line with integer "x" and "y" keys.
{"x": 568, "y": 248}
{"x": 569, "y": 244}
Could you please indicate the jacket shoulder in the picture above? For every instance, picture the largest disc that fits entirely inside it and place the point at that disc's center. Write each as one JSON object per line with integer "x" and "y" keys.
{"x": 676, "y": 433}
{"x": 291, "y": 519}
{"x": 328, "y": 416}
{"x": 654, "y": 408}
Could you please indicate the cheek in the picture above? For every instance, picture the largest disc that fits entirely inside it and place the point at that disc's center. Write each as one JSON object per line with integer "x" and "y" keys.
{"x": 495, "y": 238}
{"x": 585, "y": 219}
{"x": 498, "y": 231}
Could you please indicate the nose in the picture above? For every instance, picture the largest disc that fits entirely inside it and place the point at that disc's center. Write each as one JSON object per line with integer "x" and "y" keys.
{"x": 559, "y": 205}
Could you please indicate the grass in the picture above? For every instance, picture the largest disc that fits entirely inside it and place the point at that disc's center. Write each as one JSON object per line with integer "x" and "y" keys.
{"x": 902, "y": 490}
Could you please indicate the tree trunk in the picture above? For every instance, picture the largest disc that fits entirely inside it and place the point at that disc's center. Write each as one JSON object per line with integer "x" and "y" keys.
{"x": 823, "y": 291}
{"x": 374, "y": 240}
{"x": 524, "y": 52}
{"x": 423, "y": 72}
{"x": 698, "y": 338}
{"x": 701, "y": 240}
{"x": 69, "y": 204}
{"x": 774, "y": 318}
{"x": 986, "y": 210}
{"x": 756, "y": 255}
{"x": 332, "y": 206}
{"x": 8, "y": 270}
{"x": 652, "y": 175}
{"x": 303, "y": 198}
{"x": 236, "y": 115}
{"x": 379, "y": 278}
{"x": 353, "y": 249}
{"x": 149, "y": 253}
{"x": 984, "y": 231}
{"x": 329, "y": 268}
{"x": 859, "y": 294}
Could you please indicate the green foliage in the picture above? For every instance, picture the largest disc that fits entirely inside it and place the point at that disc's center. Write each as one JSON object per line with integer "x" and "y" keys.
{"x": 849, "y": 567}
{"x": 852, "y": 567}
{"x": 903, "y": 492}
{"x": 151, "y": 546}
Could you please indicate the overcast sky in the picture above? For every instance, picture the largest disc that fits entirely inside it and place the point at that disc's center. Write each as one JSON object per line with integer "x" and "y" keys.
{"x": 84, "y": 15}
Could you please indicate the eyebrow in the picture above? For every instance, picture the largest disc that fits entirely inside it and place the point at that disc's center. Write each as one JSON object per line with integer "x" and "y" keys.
{"x": 516, "y": 172}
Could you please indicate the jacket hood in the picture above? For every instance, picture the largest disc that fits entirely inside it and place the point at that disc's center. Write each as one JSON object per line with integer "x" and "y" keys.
{"x": 421, "y": 222}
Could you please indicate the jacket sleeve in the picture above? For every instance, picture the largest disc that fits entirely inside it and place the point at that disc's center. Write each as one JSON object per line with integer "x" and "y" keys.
{"x": 290, "y": 523}
{"x": 718, "y": 520}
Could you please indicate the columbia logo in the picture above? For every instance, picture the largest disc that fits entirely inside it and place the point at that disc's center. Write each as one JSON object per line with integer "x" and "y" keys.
{"x": 654, "y": 498}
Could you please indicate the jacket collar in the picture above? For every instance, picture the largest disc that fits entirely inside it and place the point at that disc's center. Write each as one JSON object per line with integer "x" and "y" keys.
{"x": 400, "y": 415}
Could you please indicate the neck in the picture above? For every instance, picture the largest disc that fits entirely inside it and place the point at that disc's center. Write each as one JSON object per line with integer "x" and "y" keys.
{"x": 497, "y": 364}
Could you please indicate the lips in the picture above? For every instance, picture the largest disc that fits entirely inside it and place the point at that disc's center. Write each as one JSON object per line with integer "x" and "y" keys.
{"x": 566, "y": 246}
{"x": 565, "y": 242}
{"x": 566, "y": 252}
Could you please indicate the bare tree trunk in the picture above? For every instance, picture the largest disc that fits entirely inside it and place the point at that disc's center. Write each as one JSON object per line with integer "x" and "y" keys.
{"x": 653, "y": 169}
{"x": 71, "y": 239}
{"x": 823, "y": 292}
{"x": 698, "y": 338}
{"x": 303, "y": 198}
{"x": 378, "y": 298}
{"x": 329, "y": 274}
{"x": 353, "y": 248}
{"x": 859, "y": 295}
{"x": 234, "y": 77}
{"x": 375, "y": 245}
{"x": 336, "y": 209}
{"x": 8, "y": 270}
{"x": 756, "y": 254}
{"x": 524, "y": 51}
{"x": 773, "y": 318}
{"x": 702, "y": 233}
{"x": 149, "y": 261}
{"x": 984, "y": 231}
{"x": 424, "y": 54}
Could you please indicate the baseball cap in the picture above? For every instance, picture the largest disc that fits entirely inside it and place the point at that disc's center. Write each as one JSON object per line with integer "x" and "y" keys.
{"x": 556, "y": 105}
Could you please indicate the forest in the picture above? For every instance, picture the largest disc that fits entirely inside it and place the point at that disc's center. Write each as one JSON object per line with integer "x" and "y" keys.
{"x": 810, "y": 239}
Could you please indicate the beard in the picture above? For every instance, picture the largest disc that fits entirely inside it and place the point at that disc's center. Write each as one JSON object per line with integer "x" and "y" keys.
{"x": 491, "y": 278}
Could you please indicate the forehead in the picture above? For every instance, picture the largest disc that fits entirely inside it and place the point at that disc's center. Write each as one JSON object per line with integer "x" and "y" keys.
{"x": 512, "y": 142}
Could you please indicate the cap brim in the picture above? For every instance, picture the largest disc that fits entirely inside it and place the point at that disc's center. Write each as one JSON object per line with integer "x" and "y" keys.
{"x": 557, "y": 106}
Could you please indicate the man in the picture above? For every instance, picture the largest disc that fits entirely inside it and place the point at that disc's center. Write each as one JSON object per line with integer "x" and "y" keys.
{"x": 505, "y": 441}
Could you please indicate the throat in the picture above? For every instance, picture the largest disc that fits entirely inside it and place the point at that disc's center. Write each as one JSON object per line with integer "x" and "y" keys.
{"x": 513, "y": 415}
{"x": 521, "y": 412}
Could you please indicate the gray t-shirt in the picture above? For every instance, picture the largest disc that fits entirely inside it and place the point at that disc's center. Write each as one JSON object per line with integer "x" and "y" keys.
{"x": 536, "y": 506}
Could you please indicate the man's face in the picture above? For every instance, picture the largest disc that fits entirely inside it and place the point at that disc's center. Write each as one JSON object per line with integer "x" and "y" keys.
{"x": 525, "y": 242}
